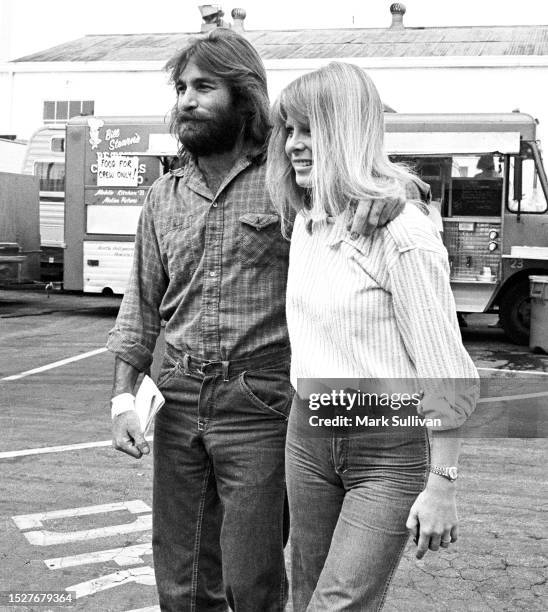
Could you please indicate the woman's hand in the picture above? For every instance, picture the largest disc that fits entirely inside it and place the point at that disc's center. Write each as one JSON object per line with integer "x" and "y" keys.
{"x": 433, "y": 519}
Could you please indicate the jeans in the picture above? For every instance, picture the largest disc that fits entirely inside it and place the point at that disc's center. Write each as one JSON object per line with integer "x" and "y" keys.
{"x": 219, "y": 525}
{"x": 349, "y": 498}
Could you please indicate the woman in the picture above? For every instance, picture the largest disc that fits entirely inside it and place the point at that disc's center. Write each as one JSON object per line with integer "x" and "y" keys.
{"x": 377, "y": 308}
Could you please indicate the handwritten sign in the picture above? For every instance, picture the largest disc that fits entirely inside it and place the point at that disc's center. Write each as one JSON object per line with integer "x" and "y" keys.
{"x": 114, "y": 170}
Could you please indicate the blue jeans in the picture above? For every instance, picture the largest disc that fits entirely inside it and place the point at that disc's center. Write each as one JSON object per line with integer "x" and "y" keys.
{"x": 349, "y": 498}
{"x": 219, "y": 486}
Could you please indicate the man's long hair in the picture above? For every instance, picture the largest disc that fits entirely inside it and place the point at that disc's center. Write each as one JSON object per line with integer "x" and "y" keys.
{"x": 341, "y": 106}
{"x": 231, "y": 57}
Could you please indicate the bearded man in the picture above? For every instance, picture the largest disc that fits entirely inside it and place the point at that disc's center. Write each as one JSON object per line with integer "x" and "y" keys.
{"x": 211, "y": 262}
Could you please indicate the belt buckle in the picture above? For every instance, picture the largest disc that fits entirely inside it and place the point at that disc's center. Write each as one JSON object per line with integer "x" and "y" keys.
{"x": 204, "y": 366}
{"x": 224, "y": 367}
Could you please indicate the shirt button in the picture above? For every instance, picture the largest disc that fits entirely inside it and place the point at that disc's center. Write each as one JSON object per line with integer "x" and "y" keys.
{"x": 214, "y": 204}
{"x": 212, "y": 273}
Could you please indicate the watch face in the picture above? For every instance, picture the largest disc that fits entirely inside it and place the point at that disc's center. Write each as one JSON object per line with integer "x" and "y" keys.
{"x": 452, "y": 473}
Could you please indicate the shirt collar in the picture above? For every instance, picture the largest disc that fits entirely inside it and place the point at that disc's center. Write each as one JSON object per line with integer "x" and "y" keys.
{"x": 195, "y": 180}
{"x": 334, "y": 226}
{"x": 336, "y": 230}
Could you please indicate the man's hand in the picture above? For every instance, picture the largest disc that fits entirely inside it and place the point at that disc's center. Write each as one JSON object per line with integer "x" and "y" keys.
{"x": 127, "y": 435}
{"x": 433, "y": 519}
{"x": 371, "y": 214}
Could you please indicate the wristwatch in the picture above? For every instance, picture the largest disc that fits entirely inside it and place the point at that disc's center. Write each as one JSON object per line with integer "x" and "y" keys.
{"x": 451, "y": 473}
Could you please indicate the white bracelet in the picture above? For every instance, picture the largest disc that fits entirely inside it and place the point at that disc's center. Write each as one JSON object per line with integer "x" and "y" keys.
{"x": 122, "y": 403}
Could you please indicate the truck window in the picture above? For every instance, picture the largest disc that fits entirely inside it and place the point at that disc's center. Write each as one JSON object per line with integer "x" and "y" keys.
{"x": 533, "y": 200}
{"x": 462, "y": 186}
{"x": 51, "y": 175}
{"x": 434, "y": 170}
{"x": 476, "y": 186}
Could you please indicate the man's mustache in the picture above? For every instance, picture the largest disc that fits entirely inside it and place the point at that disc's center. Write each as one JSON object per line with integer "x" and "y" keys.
{"x": 184, "y": 116}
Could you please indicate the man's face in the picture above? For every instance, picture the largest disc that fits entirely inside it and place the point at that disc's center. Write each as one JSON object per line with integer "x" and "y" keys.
{"x": 207, "y": 121}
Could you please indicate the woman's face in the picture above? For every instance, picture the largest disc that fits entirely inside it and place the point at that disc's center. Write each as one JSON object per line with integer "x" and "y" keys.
{"x": 298, "y": 148}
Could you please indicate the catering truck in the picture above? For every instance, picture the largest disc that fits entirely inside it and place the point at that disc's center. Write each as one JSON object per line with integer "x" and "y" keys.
{"x": 488, "y": 182}
{"x": 110, "y": 164}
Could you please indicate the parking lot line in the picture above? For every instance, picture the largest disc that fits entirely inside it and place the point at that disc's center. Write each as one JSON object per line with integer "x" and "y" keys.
{"x": 57, "y": 449}
{"x": 508, "y": 398}
{"x": 55, "y": 364}
{"x": 528, "y": 372}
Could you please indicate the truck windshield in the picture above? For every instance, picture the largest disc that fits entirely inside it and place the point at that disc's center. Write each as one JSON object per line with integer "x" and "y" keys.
{"x": 462, "y": 185}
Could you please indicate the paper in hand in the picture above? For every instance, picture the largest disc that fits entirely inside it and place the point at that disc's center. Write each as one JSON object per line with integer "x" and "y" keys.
{"x": 148, "y": 402}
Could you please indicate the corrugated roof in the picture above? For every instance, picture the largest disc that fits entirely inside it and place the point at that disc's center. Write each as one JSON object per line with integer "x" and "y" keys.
{"x": 336, "y": 43}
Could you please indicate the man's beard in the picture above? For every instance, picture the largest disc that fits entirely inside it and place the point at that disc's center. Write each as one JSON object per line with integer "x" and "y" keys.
{"x": 203, "y": 137}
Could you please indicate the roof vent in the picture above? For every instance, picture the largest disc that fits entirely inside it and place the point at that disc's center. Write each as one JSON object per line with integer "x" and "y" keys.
{"x": 212, "y": 14}
{"x": 238, "y": 16}
{"x": 398, "y": 11}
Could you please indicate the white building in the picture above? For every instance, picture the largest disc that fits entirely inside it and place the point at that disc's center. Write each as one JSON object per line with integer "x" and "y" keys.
{"x": 434, "y": 69}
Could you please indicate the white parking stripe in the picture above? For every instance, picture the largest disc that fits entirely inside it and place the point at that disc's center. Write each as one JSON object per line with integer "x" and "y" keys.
{"x": 139, "y": 575}
{"x": 127, "y": 555}
{"x": 532, "y": 372}
{"x": 36, "y": 520}
{"x": 55, "y": 364}
{"x": 151, "y": 609}
{"x": 42, "y": 537}
{"x": 508, "y": 398}
{"x": 58, "y": 449}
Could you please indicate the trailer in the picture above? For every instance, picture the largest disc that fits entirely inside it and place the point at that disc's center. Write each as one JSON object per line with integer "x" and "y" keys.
{"x": 45, "y": 159}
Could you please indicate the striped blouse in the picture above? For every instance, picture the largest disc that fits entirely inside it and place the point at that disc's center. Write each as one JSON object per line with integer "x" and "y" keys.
{"x": 378, "y": 307}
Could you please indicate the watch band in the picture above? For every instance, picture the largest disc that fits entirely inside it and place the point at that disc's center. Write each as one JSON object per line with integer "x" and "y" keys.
{"x": 449, "y": 472}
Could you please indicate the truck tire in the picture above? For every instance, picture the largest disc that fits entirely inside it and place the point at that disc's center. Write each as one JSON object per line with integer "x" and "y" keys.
{"x": 515, "y": 313}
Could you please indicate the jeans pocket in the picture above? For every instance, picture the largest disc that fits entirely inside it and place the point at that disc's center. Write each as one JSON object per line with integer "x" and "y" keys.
{"x": 268, "y": 390}
{"x": 168, "y": 370}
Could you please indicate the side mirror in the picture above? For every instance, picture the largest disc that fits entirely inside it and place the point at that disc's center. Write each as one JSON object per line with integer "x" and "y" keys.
{"x": 518, "y": 172}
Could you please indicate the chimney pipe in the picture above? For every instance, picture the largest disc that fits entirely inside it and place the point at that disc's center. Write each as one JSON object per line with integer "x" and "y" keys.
{"x": 398, "y": 11}
{"x": 238, "y": 16}
{"x": 212, "y": 14}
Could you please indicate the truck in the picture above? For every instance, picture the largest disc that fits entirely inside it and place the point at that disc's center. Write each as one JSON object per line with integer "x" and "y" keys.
{"x": 489, "y": 183}
{"x": 110, "y": 162}
{"x": 486, "y": 173}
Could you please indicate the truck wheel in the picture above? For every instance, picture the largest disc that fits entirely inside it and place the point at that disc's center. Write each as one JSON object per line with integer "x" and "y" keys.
{"x": 515, "y": 313}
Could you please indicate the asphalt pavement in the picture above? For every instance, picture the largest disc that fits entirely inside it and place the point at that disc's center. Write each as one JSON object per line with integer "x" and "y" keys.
{"x": 75, "y": 514}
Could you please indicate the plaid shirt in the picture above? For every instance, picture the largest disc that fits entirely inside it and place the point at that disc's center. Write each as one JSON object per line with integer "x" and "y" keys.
{"x": 212, "y": 266}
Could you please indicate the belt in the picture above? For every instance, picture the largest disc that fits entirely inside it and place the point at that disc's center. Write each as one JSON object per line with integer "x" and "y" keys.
{"x": 198, "y": 365}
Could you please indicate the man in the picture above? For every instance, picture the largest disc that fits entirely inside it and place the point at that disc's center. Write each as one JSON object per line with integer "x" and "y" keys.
{"x": 211, "y": 262}
{"x": 486, "y": 164}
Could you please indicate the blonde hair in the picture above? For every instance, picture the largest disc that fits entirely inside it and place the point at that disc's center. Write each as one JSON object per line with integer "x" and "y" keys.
{"x": 343, "y": 109}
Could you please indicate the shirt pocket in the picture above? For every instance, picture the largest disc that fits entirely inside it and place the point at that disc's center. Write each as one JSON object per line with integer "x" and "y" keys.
{"x": 260, "y": 239}
{"x": 180, "y": 241}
